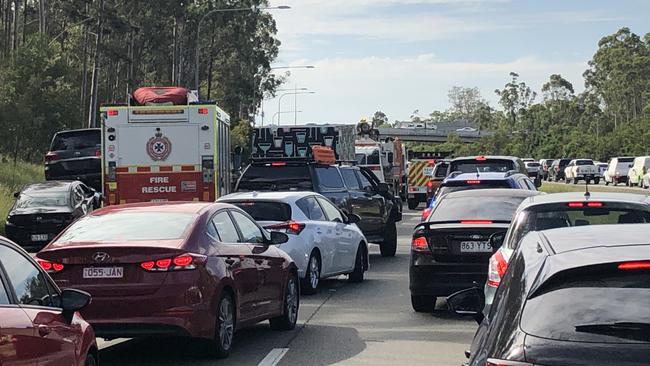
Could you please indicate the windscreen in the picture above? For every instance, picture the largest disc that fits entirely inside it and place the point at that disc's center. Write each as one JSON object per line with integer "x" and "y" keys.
{"x": 441, "y": 170}
{"x": 561, "y": 215}
{"x": 76, "y": 140}
{"x": 601, "y": 306}
{"x": 487, "y": 165}
{"x": 584, "y": 162}
{"x": 533, "y": 165}
{"x": 128, "y": 226}
{"x": 499, "y": 208}
{"x": 265, "y": 211}
{"x": 360, "y": 158}
{"x": 272, "y": 178}
{"x": 53, "y": 199}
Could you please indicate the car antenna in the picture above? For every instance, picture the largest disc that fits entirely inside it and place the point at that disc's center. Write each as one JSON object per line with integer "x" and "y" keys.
{"x": 587, "y": 194}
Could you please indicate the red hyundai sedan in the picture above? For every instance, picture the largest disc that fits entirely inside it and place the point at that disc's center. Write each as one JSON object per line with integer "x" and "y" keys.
{"x": 164, "y": 269}
{"x": 40, "y": 324}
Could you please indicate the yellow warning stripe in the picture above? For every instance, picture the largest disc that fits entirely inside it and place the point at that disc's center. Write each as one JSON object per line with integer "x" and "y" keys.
{"x": 416, "y": 174}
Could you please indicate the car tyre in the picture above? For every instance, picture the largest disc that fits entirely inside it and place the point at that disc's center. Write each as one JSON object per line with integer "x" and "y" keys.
{"x": 596, "y": 181}
{"x": 359, "y": 266}
{"x": 606, "y": 182}
{"x": 413, "y": 204}
{"x": 423, "y": 304}
{"x": 287, "y": 321}
{"x": 225, "y": 326}
{"x": 389, "y": 246}
{"x": 312, "y": 275}
{"x": 90, "y": 360}
{"x": 575, "y": 180}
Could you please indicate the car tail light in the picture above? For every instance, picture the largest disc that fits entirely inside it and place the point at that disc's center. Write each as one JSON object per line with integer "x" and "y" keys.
{"x": 594, "y": 204}
{"x": 631, "y": 266}
{"x": 431, "y": 163}
{"x": 180, "y": 263}
{"x": 50, "y": 267}
{"x": 475, "y": 222}
{"x": 112, "y": 112}
{"x": 98, "y": 153}
{"x": 420, "y": 244}
{"x": 496, "y": 269}
{"x": 430, "y": 184}
{"x": 425, "y": 213}
{"x": 481, "y": 158}
{"x": 473, "y": 182}
{"x": 203, "y": 111}
{"x": 289, "y": 227}
{"x": 51, "y": 156}
{"x": 495, "y": 362}
{"x": 278, "y": 163}
{"x": 575, "y": 204}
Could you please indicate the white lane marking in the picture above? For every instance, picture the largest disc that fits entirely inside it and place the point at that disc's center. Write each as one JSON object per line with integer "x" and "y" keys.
{"x": 274, "y": 357}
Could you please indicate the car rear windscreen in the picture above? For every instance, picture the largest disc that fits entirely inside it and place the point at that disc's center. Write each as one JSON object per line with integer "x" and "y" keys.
{"x": 584, "y": 162}
{"x": 265, "y": 211}
{"x": 76, "y": 140}
{"x": 496, "y": 208}
{"x": 273, "y": 178}
{"x": 128, "y": 226}
{"x": 546, "y": 217}
{"x": 625, "y": 160}
{"x": 487, "y": 165}
{"x": 462, "y": 186}
{"x": 533, "y": 164}
{"x": 602, "y": 306}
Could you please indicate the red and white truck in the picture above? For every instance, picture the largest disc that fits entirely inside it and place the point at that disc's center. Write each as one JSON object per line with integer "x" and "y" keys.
{"x": 162, "y": 146}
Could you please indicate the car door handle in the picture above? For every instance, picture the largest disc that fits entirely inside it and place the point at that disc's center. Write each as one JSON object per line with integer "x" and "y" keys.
{"x": 43, "y": 330}
{"x": 319, "y": 231}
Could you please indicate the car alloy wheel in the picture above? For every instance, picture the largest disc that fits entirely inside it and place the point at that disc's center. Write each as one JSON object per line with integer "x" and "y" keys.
{"x": 225, "y": 326}
{"x": 312, "y": 277}
{"x": 287, "y": 321}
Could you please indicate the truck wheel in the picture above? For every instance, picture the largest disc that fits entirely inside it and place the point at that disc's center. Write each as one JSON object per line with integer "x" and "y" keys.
{"x": 389, "y": 245}
{"x": 423, "y": 304}
{"x": 413, "y": 204}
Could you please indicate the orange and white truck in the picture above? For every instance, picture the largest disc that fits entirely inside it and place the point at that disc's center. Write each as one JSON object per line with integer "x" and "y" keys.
{"x": 165, "y": 147}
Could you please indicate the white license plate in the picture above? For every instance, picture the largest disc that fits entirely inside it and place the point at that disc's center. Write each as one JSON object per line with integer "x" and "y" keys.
{"x": 40, "y": 237}
{"x": 103, "y": 272}
{"x": 475, "y": 247}
{"x": 428, "y": 170}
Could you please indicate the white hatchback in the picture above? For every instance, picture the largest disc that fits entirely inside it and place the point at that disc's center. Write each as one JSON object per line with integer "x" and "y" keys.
{"x": 323, "y": 241}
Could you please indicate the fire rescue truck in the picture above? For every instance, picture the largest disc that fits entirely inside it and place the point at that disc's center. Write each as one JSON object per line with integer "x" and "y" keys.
{"x": 386, "y": 158}
{"x": 420, "y": 170}
{"x": 165, "y": 145}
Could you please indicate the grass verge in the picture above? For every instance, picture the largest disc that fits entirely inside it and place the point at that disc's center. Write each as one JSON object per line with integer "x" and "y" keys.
{"x": 12, "y": 177}
{"x": 560, "y": 188}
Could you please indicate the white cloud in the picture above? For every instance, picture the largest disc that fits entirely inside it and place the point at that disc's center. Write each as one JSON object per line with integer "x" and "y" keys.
{"x": 348, "y": 89}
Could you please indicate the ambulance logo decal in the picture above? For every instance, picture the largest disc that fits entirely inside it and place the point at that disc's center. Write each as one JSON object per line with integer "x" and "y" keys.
{"x": 159, "y": 147}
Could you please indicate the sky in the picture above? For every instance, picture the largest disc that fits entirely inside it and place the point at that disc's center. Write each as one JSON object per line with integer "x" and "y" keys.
{"x": 399, "y": 56}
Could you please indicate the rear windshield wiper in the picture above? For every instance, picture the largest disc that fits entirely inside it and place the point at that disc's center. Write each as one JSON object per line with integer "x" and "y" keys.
{"x": 630, "y": 330}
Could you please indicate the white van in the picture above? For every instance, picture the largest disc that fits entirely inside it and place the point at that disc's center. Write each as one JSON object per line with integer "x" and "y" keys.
{"x": 617, "y": 170}
{"x": 638, "y": 170}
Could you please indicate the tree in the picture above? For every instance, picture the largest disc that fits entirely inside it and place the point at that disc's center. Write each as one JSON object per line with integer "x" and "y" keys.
{"x": 515, "y": 98}
{"x": 557, "y": 88}
{"x": 379, "y": 119}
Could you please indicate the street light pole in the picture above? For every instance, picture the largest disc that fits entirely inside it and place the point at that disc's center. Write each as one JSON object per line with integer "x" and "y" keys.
{"x": 280, "y": 101}
{"x": 198, "y": 33}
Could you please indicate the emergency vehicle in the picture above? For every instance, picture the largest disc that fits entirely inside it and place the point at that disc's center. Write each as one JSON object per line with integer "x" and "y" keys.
{"x": 165, "y": 145}
{"x": 298, "y": 141}
{"x": 420, "y": 171}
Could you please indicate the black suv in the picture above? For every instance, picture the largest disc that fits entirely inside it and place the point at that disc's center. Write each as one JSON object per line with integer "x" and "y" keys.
{"x": 76, "y": 155}
{"x": 354, "y": 189}
{"x": 556, "y": 170}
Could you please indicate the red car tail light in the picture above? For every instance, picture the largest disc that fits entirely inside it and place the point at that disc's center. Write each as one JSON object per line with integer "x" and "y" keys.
{"x": 575, "y": 204}
{"x": 50, "y": 267}
{"x": 631, "y": 266}
{"x": 594, "y": 204}
{"x": 279, "y": 163}
{"x": 495, "y": 362}
{"x": 481, "y": 158}
{"x": 289, "y": 227}
{"x": 425, "y": 213}
{"x": 473, "y": 182}
{"x": 476, "y": 222}
{"x": 496, "y": 269}
{"x": 51, "y": 156}
{"x": 113, "y": 112}
{"x": 203, "y": 111}
{"x": 98, "y": 153}
{"x": 430, "y": 184}
{"x": 420, "y": 244}
{"x": 180, "y": 263}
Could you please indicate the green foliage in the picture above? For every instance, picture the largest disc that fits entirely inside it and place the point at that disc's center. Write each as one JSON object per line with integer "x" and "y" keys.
{"x": 13, "y": 176}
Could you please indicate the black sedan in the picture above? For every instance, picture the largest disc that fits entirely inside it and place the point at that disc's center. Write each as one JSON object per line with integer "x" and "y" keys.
{"x": 571, "y": 296}
{"x": 451, "y": 250}
{"x": 43, "y": 210}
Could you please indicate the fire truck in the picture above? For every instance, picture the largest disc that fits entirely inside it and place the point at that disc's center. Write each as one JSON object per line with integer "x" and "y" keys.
{"x": 420, "y": 171}
{"x": 165, "y": 145}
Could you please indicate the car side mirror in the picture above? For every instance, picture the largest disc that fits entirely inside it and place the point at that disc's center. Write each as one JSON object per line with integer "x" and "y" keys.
{"x": 469, "y": 302}
{"x": 278, "y": 238}
{"x": 382, "y": 188}
{"x": 353, "y": 218}
{"x": 74, "y": 300}
{"x": 496, "y": 240}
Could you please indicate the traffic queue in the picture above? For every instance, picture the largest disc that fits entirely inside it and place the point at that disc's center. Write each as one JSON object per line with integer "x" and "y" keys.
{"x": 173, "y": 252}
